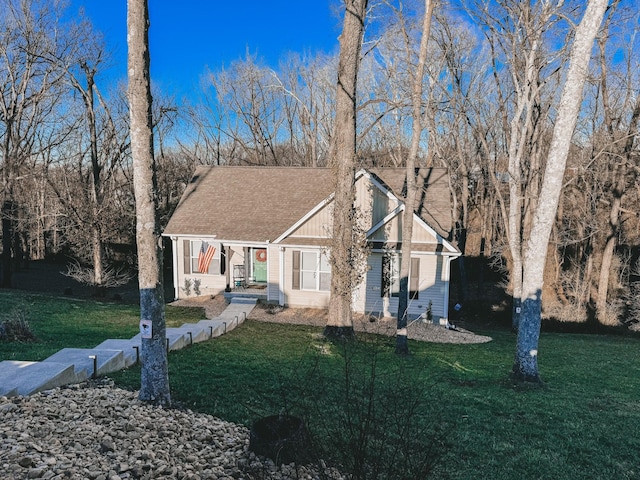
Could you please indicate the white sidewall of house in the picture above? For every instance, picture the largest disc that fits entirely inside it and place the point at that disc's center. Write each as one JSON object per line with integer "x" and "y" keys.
{"x": 209, "y": 284}
{"x": 434, "y": 277}
{"x": 300, "y": 298}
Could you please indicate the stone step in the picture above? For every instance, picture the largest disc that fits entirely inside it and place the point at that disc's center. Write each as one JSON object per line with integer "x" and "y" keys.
{"x": 195, "y": 332}
{"x": 214, "y": 328}
{"x": 25, "y": 378}
{"x": 130, "y": 349}
{"x": 91, "y": 362}
{"x": 74, "y": 365}
{"x": 176, "y": 339}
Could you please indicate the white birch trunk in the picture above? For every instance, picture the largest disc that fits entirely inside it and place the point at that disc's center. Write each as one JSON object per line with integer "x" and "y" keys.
{"x": 526, "y": 360}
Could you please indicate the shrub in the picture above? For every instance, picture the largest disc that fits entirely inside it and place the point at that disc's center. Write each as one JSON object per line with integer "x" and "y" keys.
{"x": 366, "y": 418}
{"x": 187, "y": 287}
{"x": 14, "y": 326}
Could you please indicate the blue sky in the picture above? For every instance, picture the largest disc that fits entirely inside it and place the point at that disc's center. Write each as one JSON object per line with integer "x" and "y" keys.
{"x": 189, "y": 36}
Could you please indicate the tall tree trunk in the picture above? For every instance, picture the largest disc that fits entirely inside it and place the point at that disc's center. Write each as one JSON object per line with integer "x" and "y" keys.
{"x": 8, "y": 216}
{"x": 525, "y": 367}
{"x": 96, "y": 174}
{"x": 402, "y": 346}
{"x": 343, "y": 161}
{"x": 154, "y": 386}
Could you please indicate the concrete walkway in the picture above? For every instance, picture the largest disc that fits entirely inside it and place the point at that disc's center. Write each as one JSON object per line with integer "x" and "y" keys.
{"x": 75, "y": 365}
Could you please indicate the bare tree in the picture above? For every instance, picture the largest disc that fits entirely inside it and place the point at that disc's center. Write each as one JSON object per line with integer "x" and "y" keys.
{"x": 411, "y": 198}
{"x": 525, "y": 366}
{"x": 154, "y": 376}
{"x": 307, "y": 83}
{"x": 89, "y": 180}
{"x": 29, "y": 92}
{"x": 522, "y": 35}
{"x": 253, "y": 114}
{"x": 620, "y": 146}
{"x": 343, "y": 160}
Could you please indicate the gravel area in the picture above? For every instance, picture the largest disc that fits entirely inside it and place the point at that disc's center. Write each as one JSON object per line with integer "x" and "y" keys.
{"x": 95, "y": 431}
{"x": 418, "y": 330}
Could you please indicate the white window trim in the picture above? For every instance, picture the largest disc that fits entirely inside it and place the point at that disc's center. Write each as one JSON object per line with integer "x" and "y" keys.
{"x": 317, "y": 271}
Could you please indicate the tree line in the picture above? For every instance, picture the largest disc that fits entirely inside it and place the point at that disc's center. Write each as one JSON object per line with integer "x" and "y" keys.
{"x": 490, "y": 95}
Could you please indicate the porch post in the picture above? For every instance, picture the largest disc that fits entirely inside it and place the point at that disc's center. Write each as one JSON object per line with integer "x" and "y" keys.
{"x": 247, "y": 264}
{"x": 227, "y": 265}
{"x": 282, "y": 277}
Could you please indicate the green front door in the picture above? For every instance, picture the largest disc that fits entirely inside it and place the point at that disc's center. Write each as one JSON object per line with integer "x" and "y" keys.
{"x": 260, "y": 265}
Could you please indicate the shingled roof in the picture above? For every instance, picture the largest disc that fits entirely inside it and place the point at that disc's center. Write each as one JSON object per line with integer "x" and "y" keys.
{"x": 258, "y": 204}
{"x": 434, "y": 205}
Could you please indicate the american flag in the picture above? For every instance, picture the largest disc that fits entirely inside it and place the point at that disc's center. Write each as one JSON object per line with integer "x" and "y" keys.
{"x": 205, "y": 256}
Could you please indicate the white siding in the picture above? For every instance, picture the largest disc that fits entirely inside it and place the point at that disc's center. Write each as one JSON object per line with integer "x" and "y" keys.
{"x": 420, "y": 234}
{"x": 319, "y": 225}
{"x": 392, "y": 232}
{"x": 273, "y": 273}
{"x": 432, "y": 287}
{"x": 372, "y": 203}
{"x": 300, "y": 298}
{"x": 209, "y": 284}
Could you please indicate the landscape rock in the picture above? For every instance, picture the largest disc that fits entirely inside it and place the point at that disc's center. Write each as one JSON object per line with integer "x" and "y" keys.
{"x": 96, "y": 431}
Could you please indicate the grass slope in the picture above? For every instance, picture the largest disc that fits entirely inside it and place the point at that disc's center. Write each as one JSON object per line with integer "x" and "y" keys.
{"x": 582, "y": 424}
{"x": 63, "y": 322}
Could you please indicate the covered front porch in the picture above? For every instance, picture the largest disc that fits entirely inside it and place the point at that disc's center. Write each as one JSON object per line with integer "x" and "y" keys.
{"x": 246, "y": 269}
{"x": 251, "y": 291}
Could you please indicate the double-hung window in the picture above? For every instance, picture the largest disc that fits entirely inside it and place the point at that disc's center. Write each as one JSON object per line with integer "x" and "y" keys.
{"x": 203, "y": 257}
{"x": 311, "y": 271}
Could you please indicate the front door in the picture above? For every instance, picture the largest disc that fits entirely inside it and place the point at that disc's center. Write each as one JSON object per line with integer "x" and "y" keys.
{"x": 260, "y": 265}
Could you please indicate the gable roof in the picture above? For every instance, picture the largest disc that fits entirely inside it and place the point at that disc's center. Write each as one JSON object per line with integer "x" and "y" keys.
{"x": 434, "y": 198}
{"x": 258, "y": 204}
{"x": 252, "y": 204}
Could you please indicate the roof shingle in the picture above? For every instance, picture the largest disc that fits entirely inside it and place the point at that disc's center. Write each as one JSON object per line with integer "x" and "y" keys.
{"x": 258, "y": 204}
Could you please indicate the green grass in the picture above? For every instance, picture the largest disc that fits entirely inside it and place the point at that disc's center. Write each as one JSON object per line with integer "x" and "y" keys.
{"x": 582, "y": 424}
{"x": 61, "y": 322}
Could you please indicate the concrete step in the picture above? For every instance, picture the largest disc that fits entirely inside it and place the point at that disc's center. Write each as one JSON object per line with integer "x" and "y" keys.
{"x": 130, "y": 349}
{"x": 195, "y": 332}
{"x": 25, "y": 378}
{"x": 9, "y": 393}
{"x": 74, "y": 365}
{"x": 90, "y": 361}
{"x": 214, "y": 328}
{"x": 238, "y": 307}
{"x": 176, "y": 339}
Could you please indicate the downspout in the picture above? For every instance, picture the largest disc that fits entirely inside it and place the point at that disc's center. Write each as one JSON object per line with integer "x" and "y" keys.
{"x": 174, "y": 257}
{"x": 281, "y": 277}
{"x": 447, "y": 274}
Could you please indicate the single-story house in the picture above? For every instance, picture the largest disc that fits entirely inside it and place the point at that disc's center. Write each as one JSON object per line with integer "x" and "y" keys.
{"x": 270, "y": 227}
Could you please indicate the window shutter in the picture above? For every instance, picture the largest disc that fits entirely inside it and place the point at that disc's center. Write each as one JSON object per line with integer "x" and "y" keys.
{"x": 187, "y": 256}
{"x": 295, "y": 275}
{"x": 386, "y": 272}
{"x": 414, "y": 279}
